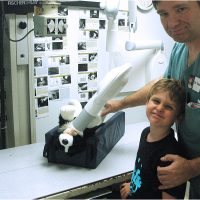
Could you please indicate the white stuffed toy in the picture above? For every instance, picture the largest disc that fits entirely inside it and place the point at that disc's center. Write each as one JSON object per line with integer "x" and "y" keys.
{"x": 68, "y": 113}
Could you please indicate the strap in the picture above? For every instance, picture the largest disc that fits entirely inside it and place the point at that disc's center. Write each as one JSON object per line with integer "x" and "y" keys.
{"x": 45, "y": 151}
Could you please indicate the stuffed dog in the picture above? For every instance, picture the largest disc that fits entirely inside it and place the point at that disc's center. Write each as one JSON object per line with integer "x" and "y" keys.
{"x": 68, "y": 113}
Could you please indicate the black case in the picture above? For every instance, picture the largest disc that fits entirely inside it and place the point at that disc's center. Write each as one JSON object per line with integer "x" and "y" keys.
{"x": 87, "y": 151}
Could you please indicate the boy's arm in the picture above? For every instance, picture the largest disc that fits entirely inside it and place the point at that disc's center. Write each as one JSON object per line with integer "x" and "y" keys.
{"x": 124, "y": 190}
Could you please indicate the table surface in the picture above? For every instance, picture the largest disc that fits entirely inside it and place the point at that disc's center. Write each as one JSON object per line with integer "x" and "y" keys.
{"x": 26, "y": 174}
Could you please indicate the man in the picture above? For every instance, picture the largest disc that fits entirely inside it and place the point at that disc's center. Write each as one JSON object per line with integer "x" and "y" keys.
{"x": 181, "y": 21}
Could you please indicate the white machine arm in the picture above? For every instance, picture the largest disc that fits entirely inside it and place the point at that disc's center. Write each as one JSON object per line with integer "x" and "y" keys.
{"x": 131, "y": 45}
{"x": 111, "y": 85}
{"x": 132, "y": 15}
{"x": 111, "y": 8}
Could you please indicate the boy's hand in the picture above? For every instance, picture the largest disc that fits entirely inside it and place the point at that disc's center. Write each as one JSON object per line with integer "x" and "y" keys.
{"x": 124, "y": 190}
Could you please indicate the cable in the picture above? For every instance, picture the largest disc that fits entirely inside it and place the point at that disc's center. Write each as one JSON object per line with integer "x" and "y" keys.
{"x": 6, "y": 28}
{"x": 21, "y": 38}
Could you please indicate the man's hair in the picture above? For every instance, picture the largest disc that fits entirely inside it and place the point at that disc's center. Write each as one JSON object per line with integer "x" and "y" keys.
{"x": 155, "y": 3}
{"x": 175, "y": 90}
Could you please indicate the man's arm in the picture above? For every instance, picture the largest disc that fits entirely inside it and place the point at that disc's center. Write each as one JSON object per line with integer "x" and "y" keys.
{"x": 178, "y": 172}
{"x": 195, "y": 167}
{"x": 137, "y": 98}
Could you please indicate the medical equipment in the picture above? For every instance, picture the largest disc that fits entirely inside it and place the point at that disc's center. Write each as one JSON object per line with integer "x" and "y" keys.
{"x": 47, "y": 22}
{"x": 111, "y": 9}
{"x": 108, "y": 87}
{"x": 111, "y": 85}
{"x": 144, "y": 44}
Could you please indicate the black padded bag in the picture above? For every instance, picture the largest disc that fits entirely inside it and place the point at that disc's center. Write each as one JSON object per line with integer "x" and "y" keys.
{"x": 87, "y": 151}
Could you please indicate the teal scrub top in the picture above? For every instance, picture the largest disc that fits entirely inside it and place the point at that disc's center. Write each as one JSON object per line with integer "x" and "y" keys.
{"x": 189, "y": 128}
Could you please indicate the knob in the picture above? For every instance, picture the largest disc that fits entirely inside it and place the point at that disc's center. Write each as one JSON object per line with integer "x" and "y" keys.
{"x": 22, "y": 25}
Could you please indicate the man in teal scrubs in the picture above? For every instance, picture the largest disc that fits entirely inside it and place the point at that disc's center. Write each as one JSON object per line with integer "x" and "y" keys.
{"x": 181, "y": 21}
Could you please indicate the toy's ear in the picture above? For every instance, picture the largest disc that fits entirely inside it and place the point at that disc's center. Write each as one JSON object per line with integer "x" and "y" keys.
{"x": 68, "y": 112}
{"x": 66, "y": 140}
{"x": 77, "y": 105}
{"x": 61, "y": 120}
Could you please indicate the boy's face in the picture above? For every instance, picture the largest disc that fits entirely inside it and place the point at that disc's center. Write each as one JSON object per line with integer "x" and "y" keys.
{"x": 161, "y": 110}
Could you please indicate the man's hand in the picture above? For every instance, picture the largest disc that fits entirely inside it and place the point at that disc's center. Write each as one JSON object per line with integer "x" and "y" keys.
{"x": 177, "y": 173}
{"x": 110, "y": 107}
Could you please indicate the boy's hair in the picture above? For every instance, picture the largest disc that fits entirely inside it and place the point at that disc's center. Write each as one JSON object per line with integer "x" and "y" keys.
{"x": 155, "y": 3}
{"x": 175, "y": 90}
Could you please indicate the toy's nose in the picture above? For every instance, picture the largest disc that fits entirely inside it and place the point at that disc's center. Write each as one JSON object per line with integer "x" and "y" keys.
{"x": 65, "y": 141}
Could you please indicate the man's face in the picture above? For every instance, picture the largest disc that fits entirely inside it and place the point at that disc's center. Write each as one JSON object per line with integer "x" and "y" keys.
{"x": 180, "y": 19}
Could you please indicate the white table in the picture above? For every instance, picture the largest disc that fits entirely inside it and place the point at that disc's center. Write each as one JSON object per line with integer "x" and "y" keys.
{"x": 25, "y": 174}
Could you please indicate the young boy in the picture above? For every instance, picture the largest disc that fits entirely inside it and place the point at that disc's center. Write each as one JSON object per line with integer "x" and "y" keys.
{"x": 165, "y": 105}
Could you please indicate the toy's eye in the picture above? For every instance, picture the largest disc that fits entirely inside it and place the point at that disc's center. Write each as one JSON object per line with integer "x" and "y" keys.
{"x": 65, "y": 141}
